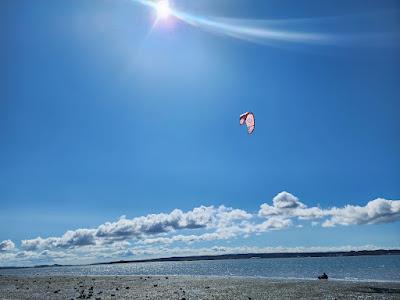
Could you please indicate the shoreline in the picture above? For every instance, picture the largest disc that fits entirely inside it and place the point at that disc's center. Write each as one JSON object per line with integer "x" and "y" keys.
{"x": 242, "y": 256}
{"x": 188, "y": 287}
{"x": 294, "y": 279}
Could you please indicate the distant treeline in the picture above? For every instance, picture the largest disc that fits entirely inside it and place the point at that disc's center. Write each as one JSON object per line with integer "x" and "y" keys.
{"x": 259, "y": 255}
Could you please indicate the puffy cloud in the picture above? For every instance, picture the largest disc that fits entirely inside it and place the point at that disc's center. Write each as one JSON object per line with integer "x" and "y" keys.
{"x": 274, "y": 223}
{"x": 285, "y": 200}
{"x": 220, "y": 234}
{"x": 199, "y": 217}
{"x": 376, "y": 211}
{"x": 207, "y": 223}
{"x": 6, "y": 245}
{"x": 287, "y": 205}
{"x": 70, "y": 239}
{"x": 141, "y": 227}
{"x": 151, "y": 224}
{"x": 225, "y": 232}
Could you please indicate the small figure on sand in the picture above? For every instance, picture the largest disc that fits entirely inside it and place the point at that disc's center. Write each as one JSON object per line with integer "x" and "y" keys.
{"x": 323, "y": 277}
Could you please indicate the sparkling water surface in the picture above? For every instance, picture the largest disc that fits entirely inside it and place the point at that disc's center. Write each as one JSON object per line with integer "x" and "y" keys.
{"x": 358, "y": 268}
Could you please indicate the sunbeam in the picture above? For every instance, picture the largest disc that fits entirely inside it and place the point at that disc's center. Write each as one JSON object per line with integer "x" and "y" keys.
{"x": 286, "y": 31}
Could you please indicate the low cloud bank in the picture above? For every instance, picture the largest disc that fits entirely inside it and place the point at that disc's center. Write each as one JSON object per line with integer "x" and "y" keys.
{"x": 204, "y": 223}
{"x": 141, "y": 227}
{"x": 219, "y": 223}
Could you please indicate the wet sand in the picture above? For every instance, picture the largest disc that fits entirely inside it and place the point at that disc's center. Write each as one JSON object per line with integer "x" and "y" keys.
{"x": 188, "y": 287}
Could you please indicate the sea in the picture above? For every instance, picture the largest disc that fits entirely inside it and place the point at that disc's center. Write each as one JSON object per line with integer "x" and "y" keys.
{"x": 384, "y": 268}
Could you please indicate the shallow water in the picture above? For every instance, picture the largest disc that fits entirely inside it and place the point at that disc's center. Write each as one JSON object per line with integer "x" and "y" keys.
{"x": 358, "y": 268}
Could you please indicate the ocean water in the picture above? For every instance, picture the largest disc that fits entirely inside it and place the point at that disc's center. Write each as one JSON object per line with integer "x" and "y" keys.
{"x": 357, "y": 268}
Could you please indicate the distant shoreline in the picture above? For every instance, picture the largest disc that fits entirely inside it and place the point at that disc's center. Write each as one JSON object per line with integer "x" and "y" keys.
{"x": 258, "y": 255}
{"x": 232, "y": 256}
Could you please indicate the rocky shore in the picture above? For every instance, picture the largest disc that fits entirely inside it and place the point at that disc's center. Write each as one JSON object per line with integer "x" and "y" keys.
{"x": 188, "y": 287}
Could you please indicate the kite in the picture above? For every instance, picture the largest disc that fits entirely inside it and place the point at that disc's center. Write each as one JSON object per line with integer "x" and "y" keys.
{"x": 248, "y": 118}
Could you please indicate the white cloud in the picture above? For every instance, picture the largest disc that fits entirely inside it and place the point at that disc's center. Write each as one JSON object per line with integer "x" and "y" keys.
{"x": 199, "y": 217}
{"x": 288, "y": 205}
{"x": 6, "y": 245}
{"x": 274, "y": 223}
{"x": 76, "y": 238}
{"x": 126, "y": 237}
{"x": 375, "y": 212}
{"x": 141, "y": 227}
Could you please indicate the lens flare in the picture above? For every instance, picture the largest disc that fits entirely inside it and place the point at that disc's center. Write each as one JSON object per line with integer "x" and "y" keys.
{"x": 288, "y": 31}
{"x": 163, "y": 9}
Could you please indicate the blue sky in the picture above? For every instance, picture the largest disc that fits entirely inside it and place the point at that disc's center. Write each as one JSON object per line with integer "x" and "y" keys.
{"x": 104, "y": 114}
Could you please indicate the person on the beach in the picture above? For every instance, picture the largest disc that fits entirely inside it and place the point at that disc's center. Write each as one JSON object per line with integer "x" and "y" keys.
{"x": 323, "y": 276}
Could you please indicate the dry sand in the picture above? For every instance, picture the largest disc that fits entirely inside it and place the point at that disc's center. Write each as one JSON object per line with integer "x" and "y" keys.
{"x": 186, "y": 287}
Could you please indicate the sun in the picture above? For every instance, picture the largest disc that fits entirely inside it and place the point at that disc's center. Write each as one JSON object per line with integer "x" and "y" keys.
{"x": 163, "y": 9}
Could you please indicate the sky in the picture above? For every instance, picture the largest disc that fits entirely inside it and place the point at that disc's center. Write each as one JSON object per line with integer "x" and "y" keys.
{"x": 120, "y": 136}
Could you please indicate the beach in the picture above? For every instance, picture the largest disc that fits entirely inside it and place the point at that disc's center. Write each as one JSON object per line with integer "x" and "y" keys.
{"x": 188, "y": 287}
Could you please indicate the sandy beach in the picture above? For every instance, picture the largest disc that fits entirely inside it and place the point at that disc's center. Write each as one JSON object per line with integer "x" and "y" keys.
{"x": 187, "y": 287}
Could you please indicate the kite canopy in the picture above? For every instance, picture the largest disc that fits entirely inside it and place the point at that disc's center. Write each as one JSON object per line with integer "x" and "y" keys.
{"x": 248, "y": 118}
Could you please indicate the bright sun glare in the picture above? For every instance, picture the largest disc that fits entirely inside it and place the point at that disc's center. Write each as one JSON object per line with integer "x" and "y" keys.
{"x": 163, "y": 9}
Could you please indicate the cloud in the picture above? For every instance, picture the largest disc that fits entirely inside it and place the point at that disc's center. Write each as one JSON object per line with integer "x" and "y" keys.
{"x": 287, "y": 205}
{"x": 126, "y": 236}
{"x": 203, "y": 217}
{"x": 76, "y": 238}
{"x": 375, "y": 212}
{"x": 6, "y": 245}
{"x": 220, "y": 234}
{"x": 200, "y": 217}
{"x": 274, "y": 223}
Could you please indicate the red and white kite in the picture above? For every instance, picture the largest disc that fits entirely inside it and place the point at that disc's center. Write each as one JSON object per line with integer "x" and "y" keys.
{"x": 248, "y": 118}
